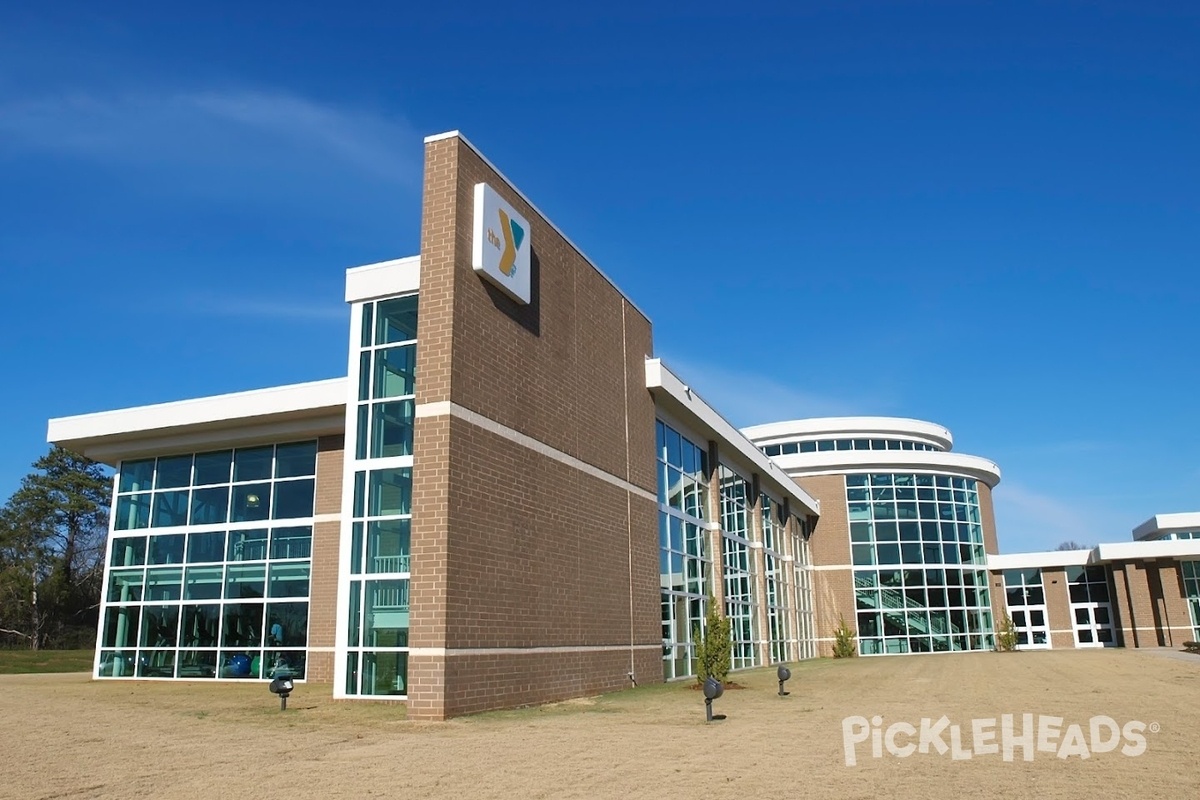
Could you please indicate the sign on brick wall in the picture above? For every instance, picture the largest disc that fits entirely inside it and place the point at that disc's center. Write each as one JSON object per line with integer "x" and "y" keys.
{"x": 500, "y": 252}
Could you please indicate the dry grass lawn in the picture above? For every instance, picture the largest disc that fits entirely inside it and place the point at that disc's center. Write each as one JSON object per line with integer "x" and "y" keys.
{"x": 68, "y": 736}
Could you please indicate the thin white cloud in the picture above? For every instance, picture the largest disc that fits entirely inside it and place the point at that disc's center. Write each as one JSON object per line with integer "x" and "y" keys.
{"x": 259, "y": 134}
{"x": 299, "y": 311}
{"x": 746, "y": 398}
{"x": 1031, "y": 520}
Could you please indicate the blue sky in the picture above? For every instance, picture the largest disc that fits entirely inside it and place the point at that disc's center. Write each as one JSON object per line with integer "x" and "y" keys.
{"x": 981, "y": 214}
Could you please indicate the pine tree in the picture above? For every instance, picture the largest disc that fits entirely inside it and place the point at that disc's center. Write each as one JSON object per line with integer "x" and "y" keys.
{"x": 52, "y": 537}
{"x": 713, "y": 645}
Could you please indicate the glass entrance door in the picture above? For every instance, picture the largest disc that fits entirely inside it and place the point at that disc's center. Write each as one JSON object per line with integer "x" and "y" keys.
{"x": 1091, "y": 608}
{"x": 1027, "y": 607}
{"x": 1093, "y": 625}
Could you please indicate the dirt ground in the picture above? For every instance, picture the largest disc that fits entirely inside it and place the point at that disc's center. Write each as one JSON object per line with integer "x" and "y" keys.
{"x": 68, "y": 736}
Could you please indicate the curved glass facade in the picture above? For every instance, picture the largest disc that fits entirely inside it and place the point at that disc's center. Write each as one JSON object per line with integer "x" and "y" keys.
{"x": 920, "y": 570}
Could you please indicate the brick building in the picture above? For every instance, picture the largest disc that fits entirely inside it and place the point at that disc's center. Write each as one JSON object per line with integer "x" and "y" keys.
{"x": 508, "y": 499}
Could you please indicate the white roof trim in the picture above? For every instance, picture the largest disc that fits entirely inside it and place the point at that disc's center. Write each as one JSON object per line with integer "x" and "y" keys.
{"x": 829, "y": 462}
{"x": 437, "y": 137}
{"x": 686, "y": 403}
{"x": 1167, "y": 523}
{"x": 398, "y": 276}
{"x": 1170, "y": 548}
{"x": 850, "y": 428}
{"x": 294, "y": 410}
{"x": 1050, "y": 558}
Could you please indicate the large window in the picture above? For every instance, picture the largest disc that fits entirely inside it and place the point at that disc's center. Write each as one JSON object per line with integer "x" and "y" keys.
{"x": 825, "y": 445}
{"x": 684, "y": 561}
{"x": 1191, "y": 585}
{"x": 806, "y": 634}
{"x": 373, "y": 634}
{"x": 217, "y": 588}
{"x": 920, "y": 570}
{"x": 778, "y": 591}
{"x": 253, "y": 484}
{"x": 738, "y": 564}
{"x": 1026, "y": 598}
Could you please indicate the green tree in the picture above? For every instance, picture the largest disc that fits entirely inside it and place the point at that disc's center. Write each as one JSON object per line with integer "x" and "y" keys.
{"x": 843, "y": 640}
{"x": 1006, "y": 634}
{"x": 713, "y": 644}
{"x": 52, "y": 537}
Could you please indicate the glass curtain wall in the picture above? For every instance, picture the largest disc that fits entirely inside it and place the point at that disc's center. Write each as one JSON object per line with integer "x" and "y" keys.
{"x": 738, "y": 565}
{"x": 375, "y": 631}
{"x": 1191, "y": 585}
{"x": 208, "y": 565}
{"x": 920, "y": 570}
{"x": 684, "y": 560}
{"x": 778, "y": 611}
{"x": 806, "y": 636}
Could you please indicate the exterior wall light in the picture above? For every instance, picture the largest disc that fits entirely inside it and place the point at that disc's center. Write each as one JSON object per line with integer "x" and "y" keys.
{"x": 712, "y": 690}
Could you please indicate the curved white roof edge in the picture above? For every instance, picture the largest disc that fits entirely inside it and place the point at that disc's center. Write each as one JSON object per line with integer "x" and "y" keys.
{"x": 861, "y": 427}
{"x": 837, "y": 461}
{"x": 1161, "y": 524}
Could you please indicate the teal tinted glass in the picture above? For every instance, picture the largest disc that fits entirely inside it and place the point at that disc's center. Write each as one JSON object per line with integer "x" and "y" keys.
{"x": 396, "y": 320}
{"x": 212, "y": 467}
{"x": 296, "y": 460}
{"x": 136, "y": 476}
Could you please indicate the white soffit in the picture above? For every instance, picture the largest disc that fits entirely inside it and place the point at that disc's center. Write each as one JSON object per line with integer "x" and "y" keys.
{"x": 294, "y": 411}
{"x": 679, "y": 399}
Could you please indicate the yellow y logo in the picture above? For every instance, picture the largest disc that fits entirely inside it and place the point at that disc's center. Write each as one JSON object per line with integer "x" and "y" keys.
{"x": 513, "y": 234}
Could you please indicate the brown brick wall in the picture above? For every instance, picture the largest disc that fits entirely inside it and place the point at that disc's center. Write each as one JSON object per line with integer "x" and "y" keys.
{"x": 322, "y": 607}
{"x": 511, "y": 548}
{"x": 1151, "y": 603}
{"x": 987, "y": 516}
{"x": 329, "y": 474}
{"x": 833, "y": 590}
{"x": 1058, "y": 608}
{"x": 1176, "y": 615}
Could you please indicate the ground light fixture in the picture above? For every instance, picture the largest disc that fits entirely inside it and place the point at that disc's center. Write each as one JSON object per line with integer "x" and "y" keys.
{"x": 712, "y": 690}
{"x": 784, "y": 674}
{"x": 282, "y": 685}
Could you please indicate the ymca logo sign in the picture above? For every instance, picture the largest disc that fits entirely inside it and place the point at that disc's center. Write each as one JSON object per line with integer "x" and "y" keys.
{"x": 500, "y": 251}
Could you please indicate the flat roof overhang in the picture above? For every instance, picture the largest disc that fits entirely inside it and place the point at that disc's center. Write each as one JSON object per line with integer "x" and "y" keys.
{"x": 1171, "y": 550}
{"x": 295, "y": 411}
{"x": 1161, "y": 524}
{"x": 678, "y": 399}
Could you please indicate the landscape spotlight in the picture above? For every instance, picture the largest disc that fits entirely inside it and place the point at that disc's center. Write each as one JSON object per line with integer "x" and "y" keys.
{"x": 282, "y": 686}
{"x": 783, "y": 673}
{"x": 712, "y": 690}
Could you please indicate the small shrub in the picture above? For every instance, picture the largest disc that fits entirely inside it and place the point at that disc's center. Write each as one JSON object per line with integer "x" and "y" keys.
{"x": 713, "y": 645}
{"x": 843, "y": 640}
{"x": 1006, "y": 635}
